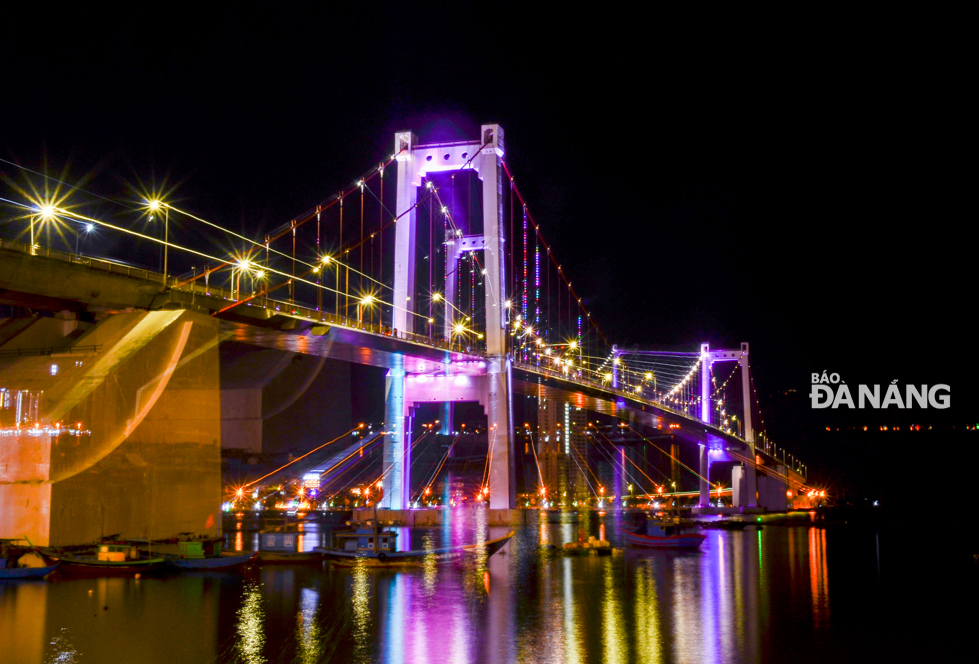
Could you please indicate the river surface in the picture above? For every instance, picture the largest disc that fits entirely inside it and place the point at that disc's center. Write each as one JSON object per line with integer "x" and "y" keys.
{"x": 798, "y": 593}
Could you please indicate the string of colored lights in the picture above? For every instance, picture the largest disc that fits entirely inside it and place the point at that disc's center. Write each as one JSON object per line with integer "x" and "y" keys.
{"x": 611, "y": 457}
{"x": 302, "y": 457}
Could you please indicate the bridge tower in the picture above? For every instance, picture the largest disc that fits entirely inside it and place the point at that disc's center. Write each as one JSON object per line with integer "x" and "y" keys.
{"x": 415, "y": 161}
{"x": 748, "y": 496}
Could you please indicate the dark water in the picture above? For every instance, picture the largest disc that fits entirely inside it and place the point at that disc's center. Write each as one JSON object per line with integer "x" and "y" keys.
{"x": 781, "y": 594}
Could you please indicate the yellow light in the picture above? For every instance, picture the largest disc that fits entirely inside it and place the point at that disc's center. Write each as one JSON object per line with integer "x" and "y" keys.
{"x": 367, "y": 299}
{"x": 460, "y": 328}
{"x": 437, "y": 297}
{"x": 244, "y": 264}
{"x": 47, "y": 212}
{"x": 155, "y": 205}
{"x": 573, "y": 345}
{"x": 326, "y": 260}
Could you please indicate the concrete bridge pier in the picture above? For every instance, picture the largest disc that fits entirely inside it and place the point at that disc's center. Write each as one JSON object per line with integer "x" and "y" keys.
{"x": 127, "y": 435}
{"x": 704, "y": 476}
{"x": 396, "y": 473}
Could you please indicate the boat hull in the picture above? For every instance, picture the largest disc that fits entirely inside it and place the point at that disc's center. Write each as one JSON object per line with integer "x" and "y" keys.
{"x": 17, "y": 573}
{"x": 285, "y": 558}
{"x": 213, "y": 563}
{"x": 691, "y": 541}
{"x": 82, "y": 566}
{"x": 409, "y": 558}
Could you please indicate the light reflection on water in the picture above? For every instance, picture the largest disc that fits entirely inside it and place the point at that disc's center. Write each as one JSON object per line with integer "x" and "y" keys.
{"x": 744, "y": 597}
{"x": 251, "y": 627}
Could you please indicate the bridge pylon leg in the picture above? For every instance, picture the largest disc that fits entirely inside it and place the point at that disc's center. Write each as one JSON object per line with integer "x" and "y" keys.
{"x": 704, "y": 476}
{"x": 503, "y": 490}
{"x": 395, "y": 471}
{"x": 751, "y": 480}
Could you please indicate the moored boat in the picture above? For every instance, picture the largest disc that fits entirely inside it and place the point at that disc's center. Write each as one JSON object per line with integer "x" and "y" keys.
{"x": 725, "y": 525}
{"x": 201, "y": 555}
{"x": 282, "y": 545}
{"x": 110, "y": 559}
{"x": 377, "y": 548}
{"x": 14, "y": 573}
{"x": 668, "y": 534}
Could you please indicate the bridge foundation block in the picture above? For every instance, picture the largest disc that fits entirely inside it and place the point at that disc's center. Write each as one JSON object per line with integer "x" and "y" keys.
{"x": 128, "y": 439}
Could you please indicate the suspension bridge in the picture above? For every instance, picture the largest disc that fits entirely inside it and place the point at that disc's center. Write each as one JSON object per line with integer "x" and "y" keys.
{"x": 430, "y": 265}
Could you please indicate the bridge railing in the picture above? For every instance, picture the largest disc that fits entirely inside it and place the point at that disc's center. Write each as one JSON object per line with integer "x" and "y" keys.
{"x": 89, "y": 261}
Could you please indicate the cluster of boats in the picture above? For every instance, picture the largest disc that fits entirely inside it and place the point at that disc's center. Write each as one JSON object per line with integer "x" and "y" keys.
{"x": 368, "y": 544}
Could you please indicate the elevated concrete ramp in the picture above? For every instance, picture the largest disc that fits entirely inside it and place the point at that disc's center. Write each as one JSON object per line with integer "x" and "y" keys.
{"x": 129, "y": 434}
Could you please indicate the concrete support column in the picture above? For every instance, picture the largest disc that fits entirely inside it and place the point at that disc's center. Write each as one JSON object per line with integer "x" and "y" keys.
{"x": 404, "y": 236}
{"x": 615, "y": 367}
{"x": 406, "y": 462}
{"x": 445, "y": 422}
{"x": 751, "y": 484}
{"x": 503, "y": 491}
{"x": 619, "y": 479}
{"x": 705, "y": 476}
{"x": 705, "y": 383}
{"x": 451, "y": 279}
{"x": 394, "y": 441}
{"x": 494, "y": 238}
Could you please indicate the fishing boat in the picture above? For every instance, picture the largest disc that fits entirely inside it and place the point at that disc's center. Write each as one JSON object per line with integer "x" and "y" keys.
{"x": 207, "y": 555}
{"x": 378, "y": 548}
{"x": 20, "y": 562}
{"x": 725, "y": 525}
{"x": 665, "y": 534}
{"x": 110, "y": 559}
{"x": 282, "y": 545}
{"x": 562, "y": 516}
{"x": 16, "y": 573}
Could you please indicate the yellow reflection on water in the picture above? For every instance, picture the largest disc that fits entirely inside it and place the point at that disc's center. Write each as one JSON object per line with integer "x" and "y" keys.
{"x": 572, "y": 634}
{"x": 360, "y": 603}
{"x": 251, "y": 633}
{"x": 239, "y": 541}
{"x": 307, "y": 629}
{"x": 430, "y": 566}
{"x": 647, "y": 615}
{"x": 613, "y": 636}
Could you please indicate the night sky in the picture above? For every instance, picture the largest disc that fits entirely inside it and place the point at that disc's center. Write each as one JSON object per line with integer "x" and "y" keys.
{"x": 797, "y": 182}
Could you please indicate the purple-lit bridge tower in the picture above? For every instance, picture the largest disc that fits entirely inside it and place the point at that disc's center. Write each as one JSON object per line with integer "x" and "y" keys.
{"x": 491, "y": 386}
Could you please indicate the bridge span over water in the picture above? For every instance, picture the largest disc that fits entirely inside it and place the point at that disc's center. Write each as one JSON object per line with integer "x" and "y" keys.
{"x": 133, "y": 356}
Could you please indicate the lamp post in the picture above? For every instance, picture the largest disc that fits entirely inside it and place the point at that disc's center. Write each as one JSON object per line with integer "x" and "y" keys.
{"x": 365, "y": 302}
{"x": 154, "y": 207}
{"x": 45, "y": 213}
{"x": 78, "y": 236}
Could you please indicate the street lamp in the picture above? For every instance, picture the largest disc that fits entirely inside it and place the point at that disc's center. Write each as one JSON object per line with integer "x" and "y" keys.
{"x": 78, "y": 236}
{"x": 46, "y": 213}
{"x": 241, "y": 266}
{"x": 365, "y": 302}
{"x": 154, "y": 206}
